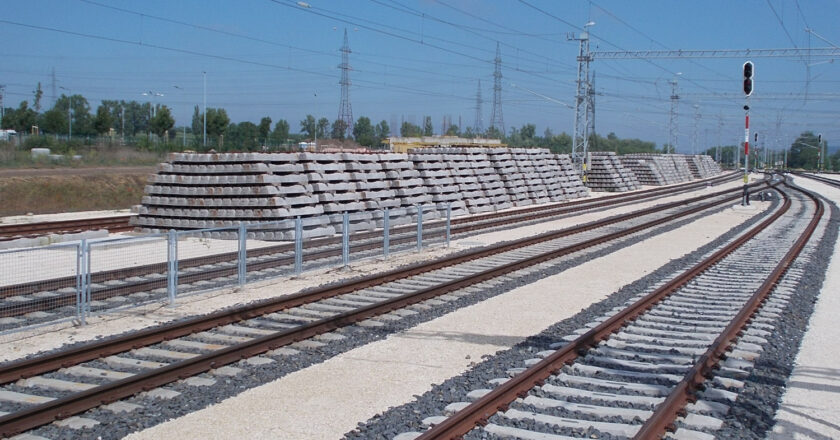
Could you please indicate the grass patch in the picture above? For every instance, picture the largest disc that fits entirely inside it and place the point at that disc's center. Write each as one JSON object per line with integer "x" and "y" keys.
{"x": 53, "y": 194}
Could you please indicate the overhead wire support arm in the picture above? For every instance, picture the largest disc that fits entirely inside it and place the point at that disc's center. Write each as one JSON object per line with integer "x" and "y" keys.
{"x": 718, "y": 53}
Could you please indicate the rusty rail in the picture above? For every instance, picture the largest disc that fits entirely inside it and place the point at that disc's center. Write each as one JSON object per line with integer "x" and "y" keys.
{"x": 667, "y": 412}
{"x": 64, "y": 407}
{"x": 24, "y": 230}
{"x": 500, "y": 397}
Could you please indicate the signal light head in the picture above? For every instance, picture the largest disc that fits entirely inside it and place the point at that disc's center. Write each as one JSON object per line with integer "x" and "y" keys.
{"x": 748, "y": 74}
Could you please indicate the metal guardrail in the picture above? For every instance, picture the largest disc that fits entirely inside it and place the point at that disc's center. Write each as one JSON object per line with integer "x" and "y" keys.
{"x": 225, "y": 250}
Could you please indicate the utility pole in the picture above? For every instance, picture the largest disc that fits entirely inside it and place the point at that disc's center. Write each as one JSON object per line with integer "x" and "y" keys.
{"x": 2, "y": 106}
{"x": 496, "y": 119}
{"x": 345, "y": 109}
{"x": 478, "y": 125}
{"x": 204, "y": 142}
{"x": 673, "y": 115}
{"x": 580, "y": 137}
{"x": 696, "y": 125}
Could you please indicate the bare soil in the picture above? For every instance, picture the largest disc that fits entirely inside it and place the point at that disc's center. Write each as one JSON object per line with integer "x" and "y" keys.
{"x": 47, "y": 191}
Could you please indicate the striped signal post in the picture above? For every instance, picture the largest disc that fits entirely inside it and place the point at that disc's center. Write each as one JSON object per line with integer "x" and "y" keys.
{"x": 748, "y": 88}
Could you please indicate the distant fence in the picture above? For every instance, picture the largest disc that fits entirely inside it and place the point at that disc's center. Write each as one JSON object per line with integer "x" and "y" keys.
{"x": 72, "y": 281}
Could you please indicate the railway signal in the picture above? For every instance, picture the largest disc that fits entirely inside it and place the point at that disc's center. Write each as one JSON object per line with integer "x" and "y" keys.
{"x": 748, "y": 78}
{"x": 749, "y": 70}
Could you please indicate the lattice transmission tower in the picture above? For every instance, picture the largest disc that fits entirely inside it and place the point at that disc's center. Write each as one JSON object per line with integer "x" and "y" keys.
{"x": 584, "y": 104}
{"x": 673, "y": 120}
{"x": 478, "y": 125}
{"x": 496, "y": 119}
{"x": 345, "y": 109}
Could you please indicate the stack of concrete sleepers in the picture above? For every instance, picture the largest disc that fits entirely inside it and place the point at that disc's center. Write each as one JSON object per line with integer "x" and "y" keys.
{"x": 645, "y": 168}
{"x": 406, "y": 182}
{"x": 550, "y": 173}
{"x": 437, "y": 179}
{"x": 487, "y": 178}
{"x": 682, "y": 167}
{"x": 514, "y": 182}
{"x": 706, "y": 166}
{"x": 463, "y": 171}
{"x": 527, "y": 164}
{"x": 198, "y": 191}
{"x": 606, "y": 173}
{"x": 336, "y": 190}
{"x": 573, "y": 185}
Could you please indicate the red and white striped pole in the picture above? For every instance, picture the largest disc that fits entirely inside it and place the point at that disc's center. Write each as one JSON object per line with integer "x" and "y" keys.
{"x": 746, "y": 198}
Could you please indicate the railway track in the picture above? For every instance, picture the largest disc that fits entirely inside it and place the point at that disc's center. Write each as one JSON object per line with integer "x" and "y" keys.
{"x": 46, "y": 295}
{"x": 821, "y": 179}
{"x": 672, "y": 360}
{"x": 42, "y": 389}
{"x": 117, "y": 223}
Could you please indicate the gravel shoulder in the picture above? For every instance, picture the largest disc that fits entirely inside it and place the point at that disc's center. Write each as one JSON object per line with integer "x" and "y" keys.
{"x": 50, "y": 337}
{"x": 349, "y": 386}
{"x": 809, "y": 405}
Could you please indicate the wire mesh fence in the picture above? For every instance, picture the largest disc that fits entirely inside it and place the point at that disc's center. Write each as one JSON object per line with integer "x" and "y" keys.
{"x": 74, "y": 280}
{"x": 38, "y": 284}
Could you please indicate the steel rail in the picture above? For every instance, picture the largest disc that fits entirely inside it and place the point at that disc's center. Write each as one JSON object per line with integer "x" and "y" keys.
{"x": 64, "y": 407}
{"x": 497, "y": 220}
{"x": 666, "y": 413}
{"x": 42, "y": 303}
{"x": 825, "y": 180}
{"x": 500, "y": 397}
{"x": 30, "y": 367}
{"x": 16, "y": 230}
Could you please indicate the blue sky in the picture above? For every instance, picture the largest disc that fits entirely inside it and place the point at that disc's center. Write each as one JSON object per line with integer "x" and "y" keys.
{"x": 412, "y": 58}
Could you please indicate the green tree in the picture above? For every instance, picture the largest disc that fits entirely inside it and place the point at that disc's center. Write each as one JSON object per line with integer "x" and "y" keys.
{"x": 407, "y": 129}
{"x": 53, "y": 121}
{"x": 803, "y": 151}
{"x": 382, "y": 129}
{"x": 528, "y": 131}
{"x": 281, "y": 131}
{"x": 217, "y": 122}
{"x": 242, "y": 137}
{"x": 198, "y": 122}
{"x": 265, "y": 128}
{"x": 323, "y": 127}
{"x": 163, "y": 121}
{"x": 428, "y": 128}
{"x": 20, "y": 119}
{"x": 364, "y": 132}
{"x": 339, "y": 129}
{"x": 453, "y": 130}
{"x": 493, "y": 133}
{"x": 103, "y": 121}
{"x": 308, "y": 126}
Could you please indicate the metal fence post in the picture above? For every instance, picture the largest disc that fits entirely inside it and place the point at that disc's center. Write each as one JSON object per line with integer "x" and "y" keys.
{"x": 172, "y": 260}
{"x": 448, "y": 222}
{"x": 84, "y": 288}
{"x": 419, "y": 227}
{"x": 81, "y": 256}
{"x": 386, "y": 233}
{"x": 298, "y": 246}
{"x": 243, "y": 253}
{"x": 345, "y": 239}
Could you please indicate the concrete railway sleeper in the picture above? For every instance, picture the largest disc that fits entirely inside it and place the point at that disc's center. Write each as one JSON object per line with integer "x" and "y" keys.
{"x": 673, "y": 359}
{"x": 460, "y": 225}
{"x": 32, "y": 297}
{"x": 103, "y": 372}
